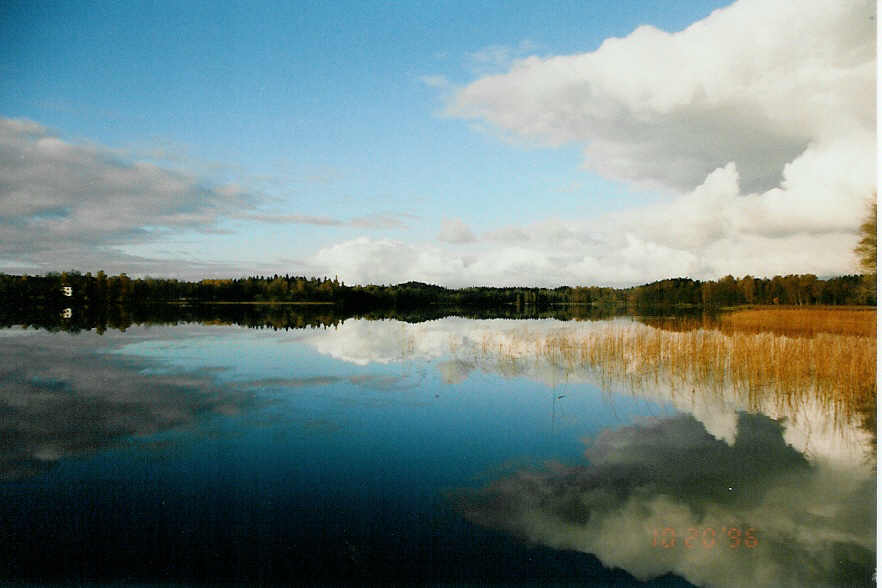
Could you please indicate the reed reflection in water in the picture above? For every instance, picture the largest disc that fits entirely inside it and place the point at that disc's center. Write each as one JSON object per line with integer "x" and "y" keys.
{"x": 827, "y": 358}
{"x": 822, "y": 385}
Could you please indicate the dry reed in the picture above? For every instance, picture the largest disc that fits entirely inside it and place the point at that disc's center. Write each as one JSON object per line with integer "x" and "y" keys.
{"x": 802, "y": 321}
{"x": 825, "y": 355}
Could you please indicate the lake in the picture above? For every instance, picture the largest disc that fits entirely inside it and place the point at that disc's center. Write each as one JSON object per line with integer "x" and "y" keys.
{"x": 451, "y": 450}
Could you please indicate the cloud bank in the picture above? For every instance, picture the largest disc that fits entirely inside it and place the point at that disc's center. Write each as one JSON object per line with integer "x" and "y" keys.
{"x": 454, "y": 230}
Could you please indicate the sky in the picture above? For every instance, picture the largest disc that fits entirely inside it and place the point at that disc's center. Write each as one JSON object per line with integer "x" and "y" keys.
{"x": 457, "y": 143}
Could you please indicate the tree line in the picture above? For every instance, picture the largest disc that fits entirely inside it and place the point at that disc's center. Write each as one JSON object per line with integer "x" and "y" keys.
{"x": 797, "y": 290}
{"x": 98, "y": 290}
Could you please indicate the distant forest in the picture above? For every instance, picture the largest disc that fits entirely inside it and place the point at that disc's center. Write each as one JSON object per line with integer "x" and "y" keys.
{"x": 24, "y": 291}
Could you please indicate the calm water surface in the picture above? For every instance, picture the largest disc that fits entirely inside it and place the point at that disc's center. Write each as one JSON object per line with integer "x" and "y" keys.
{"x": 442, "y": 451}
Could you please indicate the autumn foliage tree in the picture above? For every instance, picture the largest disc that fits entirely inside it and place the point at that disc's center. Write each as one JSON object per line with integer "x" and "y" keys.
{"x": 866, "y": 247}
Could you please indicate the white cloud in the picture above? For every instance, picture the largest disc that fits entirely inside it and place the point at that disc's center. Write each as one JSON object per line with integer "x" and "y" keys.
{"x": 754, "y": 83}
{"x": 453, "y": 230}
{"x": 758, "y": 121}
{"x": 704, "y": 234}
{"x": 494, "y": 58}
{"x": 383, "y": 261}
{"x": 386, "y": 261}
{"x": 507, "y": 234}
{"x": 67, "y": 203}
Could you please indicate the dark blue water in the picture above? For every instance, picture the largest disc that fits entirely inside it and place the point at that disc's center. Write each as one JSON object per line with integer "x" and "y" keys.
{"x": 385, "y": 452}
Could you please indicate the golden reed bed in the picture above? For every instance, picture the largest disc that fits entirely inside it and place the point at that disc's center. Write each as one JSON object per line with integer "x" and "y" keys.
{"x": 827, "y": 353}
{"x": 802, "y": 321}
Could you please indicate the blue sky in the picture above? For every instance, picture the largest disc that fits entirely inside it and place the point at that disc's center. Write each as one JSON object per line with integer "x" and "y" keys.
{"x": 455, "y": 142}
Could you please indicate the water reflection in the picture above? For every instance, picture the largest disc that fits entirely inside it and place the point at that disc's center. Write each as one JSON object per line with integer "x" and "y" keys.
{"x": 797, "y": 468}
{"x": 279, "y": 316}
{"x": 374, "y": 417}
{"x": 814, "y": 423}
{"x": 813, "y": 523}
{"x": 60, "y": 397}
{"x": 84, "y": 399}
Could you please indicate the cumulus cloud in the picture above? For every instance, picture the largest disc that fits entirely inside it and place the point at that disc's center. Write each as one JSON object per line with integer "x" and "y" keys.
{"x": 507, "y": 234}
{"x": 758, "y": 122}
{"x": 63, "y": 201}
{"x": 454, "y": 230}
{"x": 366, "y": 260}
{"x": 814, "y": 527}
{"x": 381, "y": 261}
{"x": 754, "y": 83}
{"x": 493, "y": 58}
{"x": 704, "y": 234}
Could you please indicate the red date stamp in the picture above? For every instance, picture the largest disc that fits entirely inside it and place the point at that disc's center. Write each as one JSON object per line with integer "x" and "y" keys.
{"x": 706, "y": 537}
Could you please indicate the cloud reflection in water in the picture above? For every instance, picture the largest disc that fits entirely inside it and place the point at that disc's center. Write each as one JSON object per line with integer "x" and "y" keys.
{"x": 61, "y": 397}
{"x": 815, "y": 523}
